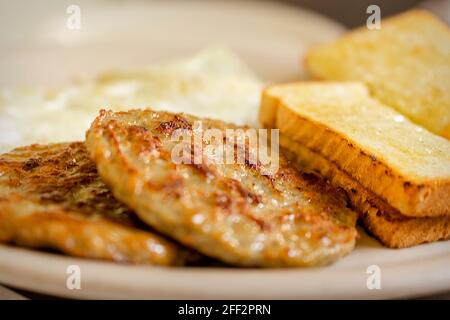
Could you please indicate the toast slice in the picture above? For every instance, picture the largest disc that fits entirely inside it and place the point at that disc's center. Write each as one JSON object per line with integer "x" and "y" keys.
{"x": 406, "y": 65}
{"x": 402, "y": 163}
{"x": 383, "y": 221}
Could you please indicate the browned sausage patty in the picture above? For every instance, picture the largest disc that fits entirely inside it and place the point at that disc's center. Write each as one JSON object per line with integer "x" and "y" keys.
{"x": 52, "y": 197}
{"x": 232, "y": 212}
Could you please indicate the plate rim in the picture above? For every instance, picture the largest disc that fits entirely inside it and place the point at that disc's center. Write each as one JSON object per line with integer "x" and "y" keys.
{"x": 427, "y": 280}
{"x": 103, "y": 277}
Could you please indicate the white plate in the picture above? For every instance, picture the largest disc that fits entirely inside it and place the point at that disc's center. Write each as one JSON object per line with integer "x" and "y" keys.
{"x": 38, "y": 49}
{"x": 404, "y": 273}
{"x": 36, "y": 46}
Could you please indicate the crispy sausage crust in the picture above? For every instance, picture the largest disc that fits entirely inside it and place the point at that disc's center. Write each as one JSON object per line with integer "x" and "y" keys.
{"x": 52, "y": 197}
{"x": 228, "y": 211}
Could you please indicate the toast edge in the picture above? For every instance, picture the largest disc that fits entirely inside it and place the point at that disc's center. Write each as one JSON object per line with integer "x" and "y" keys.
{"x": 381, "y": 220}
{"x": 413, "y": 199}
{"x": 309, "y": 63}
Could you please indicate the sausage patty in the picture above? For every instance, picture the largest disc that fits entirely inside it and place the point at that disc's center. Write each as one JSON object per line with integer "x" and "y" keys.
{"x": 234, "y": 212}
{"x": 52, "y": 197}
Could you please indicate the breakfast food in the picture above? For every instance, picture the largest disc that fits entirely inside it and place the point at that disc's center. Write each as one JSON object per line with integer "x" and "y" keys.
{"x": 120, "y": 195}
{"x": 232, "y": 212}
{"x": 392, "y": 228}
{"x": 52, "y": 197}
{"x": 396, "y": 174}
{"x": 406, "y": 65}
{"x": 212, "y": 83}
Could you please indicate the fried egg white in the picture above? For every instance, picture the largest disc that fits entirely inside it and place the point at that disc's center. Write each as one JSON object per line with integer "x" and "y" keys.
{"x": 213, "y": 83}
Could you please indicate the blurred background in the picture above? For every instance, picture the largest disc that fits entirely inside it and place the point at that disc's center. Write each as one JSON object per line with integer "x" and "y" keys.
{"x": 348, "y": 12}
{"x": 37, "y": 47}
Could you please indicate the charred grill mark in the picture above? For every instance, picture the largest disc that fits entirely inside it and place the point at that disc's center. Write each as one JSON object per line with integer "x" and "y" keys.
{"x": 223, "y": 201}
{"x": 263, "y": 225}
{"x": 145, "y": 142}
{"x": 237, "y": 186}
{"x": 174, "y": 186}
{"x": 30, "y": 164}
{"x": 310, "y": 178}
{"x": 255, "y": 167}
{"x": 113, "y": 129}
{"x": 231, "y": 205}
{"x": 205, "y": 169}
{"x": 240, "y": 149}
{"x": 71, "y": 163}
{"x": 137, "y": 130}
{"x": 178, "y": 122}
{"x": 54, "y": 196}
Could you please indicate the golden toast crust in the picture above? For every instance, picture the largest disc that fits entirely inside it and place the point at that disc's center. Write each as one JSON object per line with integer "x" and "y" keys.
{"x": 411, "y": 196}
{"x": 406, "y": 65}
{"x": 383, "y": 221}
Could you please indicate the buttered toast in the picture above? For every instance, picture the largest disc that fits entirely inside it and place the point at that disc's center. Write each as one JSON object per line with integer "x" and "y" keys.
{"x": 406, "y": 65}
{"x": 401, "y": 163}
{"x": 379, "y": 218}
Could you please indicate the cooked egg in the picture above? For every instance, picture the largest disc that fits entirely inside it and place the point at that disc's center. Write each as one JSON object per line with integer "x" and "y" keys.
{"x": 213, "y": 83}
